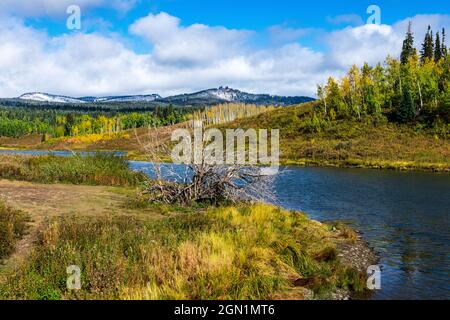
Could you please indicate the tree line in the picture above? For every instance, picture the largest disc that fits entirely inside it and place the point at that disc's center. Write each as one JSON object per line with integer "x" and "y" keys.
{"x": 228, "y": 112}
{"x": 414, "y": 88}
{"x": 17, "y": 122}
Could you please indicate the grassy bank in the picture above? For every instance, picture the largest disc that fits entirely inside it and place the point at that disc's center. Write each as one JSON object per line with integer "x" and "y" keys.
{"x": 99, "y": 169}
{"x": 13, "y": 225}
{"x": 128, "y": 248}
{"x": 243, "y": 252}
{"x": 367, "y": 143}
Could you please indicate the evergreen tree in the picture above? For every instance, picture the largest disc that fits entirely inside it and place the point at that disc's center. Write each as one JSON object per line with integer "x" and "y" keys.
{"x": 406, "y": 110}
{"x": 408, "y": 45}
{"x": 70, "y": 121}
{"x": 444, "y": 47}
{"x": 437, "y": 49}
{"x": 427, "y": 51}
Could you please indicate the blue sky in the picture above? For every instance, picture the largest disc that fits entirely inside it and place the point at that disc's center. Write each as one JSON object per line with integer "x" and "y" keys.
{"x": 171, "y": 46}
{"x": 257, "y": 14}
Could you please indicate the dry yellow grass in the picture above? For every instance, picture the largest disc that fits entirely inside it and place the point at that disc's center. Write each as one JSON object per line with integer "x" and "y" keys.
{"x": 352, "y": 143}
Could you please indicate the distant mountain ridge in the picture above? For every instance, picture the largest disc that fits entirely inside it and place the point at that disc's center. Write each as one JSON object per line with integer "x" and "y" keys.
{"x": 46, "y": 97}
{"x": 205, "y": 97}
{"x": 225, "y": 94}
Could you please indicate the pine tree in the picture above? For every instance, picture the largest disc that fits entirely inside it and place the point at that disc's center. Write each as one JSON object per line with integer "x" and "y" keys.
{"x": 437, "y": 49}
{"x": 427, "y": 51}
{"x": 406, "y": 111}
{"x": 408, "y": 45}
{"x": 444, "y": 47}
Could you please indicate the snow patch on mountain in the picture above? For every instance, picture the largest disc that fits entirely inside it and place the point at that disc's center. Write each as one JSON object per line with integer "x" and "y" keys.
{"x": 45, "y": 97}
{"x": 146, "y": 98}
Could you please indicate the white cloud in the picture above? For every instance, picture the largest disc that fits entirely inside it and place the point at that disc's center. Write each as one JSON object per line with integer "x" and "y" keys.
{"x": 195, "y": 44}
{"x": 184, "y": 58}
{"x": 368, "y": 43}
{"x": 372, "y": 43}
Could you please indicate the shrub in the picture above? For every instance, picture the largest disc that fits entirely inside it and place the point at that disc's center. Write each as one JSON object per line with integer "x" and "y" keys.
{"x": 98, "y": 169}
{"x": 13, "y": 226}
{"x": 315, "y": 124}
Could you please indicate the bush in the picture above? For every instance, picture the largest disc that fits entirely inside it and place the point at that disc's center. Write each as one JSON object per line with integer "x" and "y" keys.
{"x": 13, "y": 225}
{"x": 315, "y": 124}
{"x": 98, "y": 169}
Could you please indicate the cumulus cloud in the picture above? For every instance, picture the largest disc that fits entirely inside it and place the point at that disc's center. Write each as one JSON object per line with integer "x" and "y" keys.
{"x": 368, "y": 43}
{"x": 191, "y": 45}
{"x": 185, "y": 58}
{"x": 372, "y": 43}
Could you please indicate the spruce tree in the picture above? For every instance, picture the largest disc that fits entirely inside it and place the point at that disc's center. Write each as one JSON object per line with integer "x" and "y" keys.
{"x": 408, "y": 45}
{"x": 444, "y": 47}
{"x": 427, "y": 51}
{"x": 431, "y": 46}
{"x": 437, "y": 48}
{"x": 406, "y": 110}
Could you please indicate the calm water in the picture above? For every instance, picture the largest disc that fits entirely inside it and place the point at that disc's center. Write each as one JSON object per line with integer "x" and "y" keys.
{"x": 403, "y": 216}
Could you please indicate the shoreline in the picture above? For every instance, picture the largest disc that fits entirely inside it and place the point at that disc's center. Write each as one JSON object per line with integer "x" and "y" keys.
{"x": 384, "y": 165}
{"x": 359, "y": 255}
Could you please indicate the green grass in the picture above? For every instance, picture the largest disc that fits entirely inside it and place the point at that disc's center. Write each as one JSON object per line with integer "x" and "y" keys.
{"x": 98, "y": 169}
{"x": 13, "y": 226}
{"x": 238, "y": 252}
{"x": 370, "y": 142}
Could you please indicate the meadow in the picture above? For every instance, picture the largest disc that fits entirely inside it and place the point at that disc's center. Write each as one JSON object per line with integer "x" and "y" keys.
{"x": 237, "y": 252}
{"x": 129, "y": 248}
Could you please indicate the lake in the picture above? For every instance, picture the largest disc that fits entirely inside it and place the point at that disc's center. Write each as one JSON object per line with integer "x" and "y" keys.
{"x": 404, "y": 216}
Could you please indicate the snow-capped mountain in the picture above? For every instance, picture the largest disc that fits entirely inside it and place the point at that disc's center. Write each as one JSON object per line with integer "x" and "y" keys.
{"x": 45, "y": 97}
{"x": 222, "y": 93}
{"x": 205, "y": 97}
{"x": 225, "y": 94}
{"x": 146, "y": 98}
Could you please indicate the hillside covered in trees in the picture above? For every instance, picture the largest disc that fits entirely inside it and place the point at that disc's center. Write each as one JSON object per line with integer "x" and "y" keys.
{"x": 395, "y": 115}
{"x": 18, "y": 122}
{"x": 414, "y": 89}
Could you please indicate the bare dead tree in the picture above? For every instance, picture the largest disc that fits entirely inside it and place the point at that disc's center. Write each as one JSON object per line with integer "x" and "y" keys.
{"x": 202, "y": 182}
{"x": 214, "y": 184}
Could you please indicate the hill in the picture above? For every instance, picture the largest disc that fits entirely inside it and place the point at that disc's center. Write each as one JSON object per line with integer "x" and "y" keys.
{"x": 371, "y": 142}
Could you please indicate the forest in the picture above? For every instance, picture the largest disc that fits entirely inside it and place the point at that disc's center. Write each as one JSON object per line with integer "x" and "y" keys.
{"x": 414, "y": 89}
{"x": 17, "y": 122}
